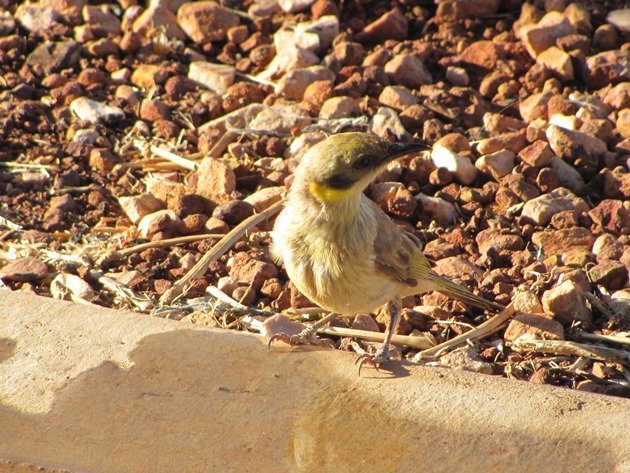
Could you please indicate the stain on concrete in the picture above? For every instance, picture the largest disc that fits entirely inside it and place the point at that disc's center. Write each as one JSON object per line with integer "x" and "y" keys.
{"x": 7, "y": 348}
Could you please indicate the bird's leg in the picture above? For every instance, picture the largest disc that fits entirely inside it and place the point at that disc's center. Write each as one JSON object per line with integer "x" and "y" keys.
{"x": 382, "y": 353}
{"x": 308, "y": 336}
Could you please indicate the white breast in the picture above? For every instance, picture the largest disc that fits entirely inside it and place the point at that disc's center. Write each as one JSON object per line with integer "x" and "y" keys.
{"x": 329, "y": 257}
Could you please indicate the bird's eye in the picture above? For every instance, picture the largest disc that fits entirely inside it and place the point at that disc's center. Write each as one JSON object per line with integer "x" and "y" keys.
{"x": 362, "y": 163}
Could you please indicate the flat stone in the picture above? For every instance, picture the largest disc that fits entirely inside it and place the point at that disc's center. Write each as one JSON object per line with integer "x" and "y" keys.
{"x": 541, "y": 209}
{"x": 54, "y": 56}
{"x": 137, "y": 206}
{"x": 397, "y": 97}
{"x": 408, "y": 70}
{"x": 294, "y": 83}
{"x": 340, "y": 107}
{"x": 572, "y": 144}
{"x": 539, "y": 327}
{"x": 497, "y": 164}
{"x": 24, "y": 270}
{"x": 37, "y": 18}
{"x": 610, "y": 274}
{"x": 557, "y": 242}
{"x": 216, "y": 77}
{"x": 620, "y": 19}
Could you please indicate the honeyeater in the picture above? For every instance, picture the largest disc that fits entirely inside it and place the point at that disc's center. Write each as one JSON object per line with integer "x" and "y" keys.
{"x": 341, "y": 250}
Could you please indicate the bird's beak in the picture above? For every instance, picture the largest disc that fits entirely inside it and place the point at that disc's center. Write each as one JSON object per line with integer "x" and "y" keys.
{"x": 397, "y": 150}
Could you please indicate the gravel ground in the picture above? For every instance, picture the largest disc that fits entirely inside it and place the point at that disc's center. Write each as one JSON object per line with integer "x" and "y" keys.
{"x": 133, "y": 138}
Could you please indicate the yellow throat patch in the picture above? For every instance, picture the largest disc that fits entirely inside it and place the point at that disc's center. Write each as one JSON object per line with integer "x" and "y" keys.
{"x": 329, "y": 195}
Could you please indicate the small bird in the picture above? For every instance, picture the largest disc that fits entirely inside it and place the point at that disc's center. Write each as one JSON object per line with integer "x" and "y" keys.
{"x": 341, "y": 250}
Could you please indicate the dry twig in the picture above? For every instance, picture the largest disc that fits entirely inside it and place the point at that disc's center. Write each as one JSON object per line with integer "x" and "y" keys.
{"x": 563, "y": 347}
{"x": 490, "y": 326}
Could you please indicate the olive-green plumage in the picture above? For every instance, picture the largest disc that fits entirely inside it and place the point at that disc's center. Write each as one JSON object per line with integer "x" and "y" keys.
{"x": 339, "y": 248}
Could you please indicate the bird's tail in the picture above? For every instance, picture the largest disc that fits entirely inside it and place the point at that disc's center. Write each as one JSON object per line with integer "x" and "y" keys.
{"x": 451, "y": 289}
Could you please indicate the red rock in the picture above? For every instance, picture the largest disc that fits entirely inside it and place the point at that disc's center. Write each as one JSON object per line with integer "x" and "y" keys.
{"x": 408, "y": 70}
{"x": 556, "y": 242}
{"x": 606, "y": 68}
{"x": 538, "y": 154}
{"x": 394, "y": 199}
{"x": 484, "y": 54}
{"x": 251, "y": 271}
{"x": 194, "y": 223}
{"x": 233, "y": 212}
{"x": 610, "y": 274}
{"x": 218, "y": 226}
{"x": 147, "y": 76}
{"x": 365, "y": 322}
{"x": 499, "y": 241}
{"x": 612, "y": 215}
{"x": 24, "y": 270}
{"x": 153, "y": 110}
{"x": 392, "y": 25}
{"x": 566, "y": 303}
{"x": 206, "y": 21}
{"x": 216, "y": 180}
{"x": 102, "y": 159}
{"x": 162, "y": 221}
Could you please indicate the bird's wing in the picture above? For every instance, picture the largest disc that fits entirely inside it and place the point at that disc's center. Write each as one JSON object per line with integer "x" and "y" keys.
{"x": 399, "y": 256}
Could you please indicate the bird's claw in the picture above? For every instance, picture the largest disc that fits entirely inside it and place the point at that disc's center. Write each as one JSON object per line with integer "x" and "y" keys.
{"x": 375, "y": 360}
{"x": 306, "y": 337}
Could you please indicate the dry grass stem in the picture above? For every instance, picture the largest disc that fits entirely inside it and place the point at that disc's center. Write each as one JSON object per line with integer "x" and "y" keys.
{"x": 180, "y": 161}
{"x": 418, "y": 342}
{"x": 604, "y": 338}
{"x": 489, "y": 327}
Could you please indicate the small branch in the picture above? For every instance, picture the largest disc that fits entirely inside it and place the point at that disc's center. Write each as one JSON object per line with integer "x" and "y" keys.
{"x": 79, "y": 189}
{"x": 221, "y": 247}
{"x": 603, "y": 338}
{"x": 489, "y": 327}
{"x": 563, "y": 347}
{"x": 223, "y": 143}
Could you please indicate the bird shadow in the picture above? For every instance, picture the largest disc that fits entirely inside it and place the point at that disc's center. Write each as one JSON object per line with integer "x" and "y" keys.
{"x": 391, "y": 369}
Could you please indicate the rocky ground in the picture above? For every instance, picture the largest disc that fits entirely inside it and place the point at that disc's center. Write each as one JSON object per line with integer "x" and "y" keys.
{"x": 134, "y": 138}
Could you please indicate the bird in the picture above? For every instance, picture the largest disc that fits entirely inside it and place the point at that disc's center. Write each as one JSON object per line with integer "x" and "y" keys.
{"x": 341, "y": 250}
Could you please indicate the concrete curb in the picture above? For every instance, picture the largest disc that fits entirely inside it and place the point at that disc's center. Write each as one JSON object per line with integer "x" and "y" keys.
{"x": 88, "y": 389}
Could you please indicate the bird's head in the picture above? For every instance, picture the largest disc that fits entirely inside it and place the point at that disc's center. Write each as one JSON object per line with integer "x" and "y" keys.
{"x": 343, "y": 165}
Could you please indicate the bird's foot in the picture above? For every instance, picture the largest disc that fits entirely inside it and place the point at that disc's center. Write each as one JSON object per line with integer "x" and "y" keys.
{"x": 375, "y": 360}
{"x": 305, "y": 337}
